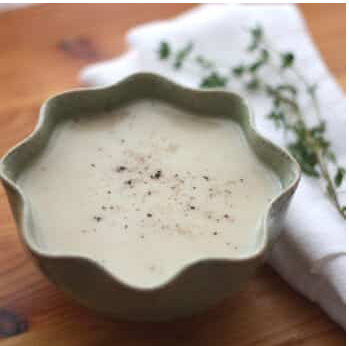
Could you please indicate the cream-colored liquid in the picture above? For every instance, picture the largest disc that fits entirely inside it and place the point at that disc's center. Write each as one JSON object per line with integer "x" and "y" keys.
{"x": 148, "y": 188}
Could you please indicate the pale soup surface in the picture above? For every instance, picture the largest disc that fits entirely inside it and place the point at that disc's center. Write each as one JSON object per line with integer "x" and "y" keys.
{"x": 148, "y": 188}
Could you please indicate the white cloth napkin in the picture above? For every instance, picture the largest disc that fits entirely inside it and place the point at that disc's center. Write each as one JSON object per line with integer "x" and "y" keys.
{"x": 311, "y": 253}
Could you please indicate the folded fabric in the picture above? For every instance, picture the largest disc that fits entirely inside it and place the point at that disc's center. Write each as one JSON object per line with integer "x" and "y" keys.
{"x": 311, "y": 253}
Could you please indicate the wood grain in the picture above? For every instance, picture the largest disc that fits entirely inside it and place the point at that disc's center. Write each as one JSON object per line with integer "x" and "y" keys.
{"x": 42, "y": 49}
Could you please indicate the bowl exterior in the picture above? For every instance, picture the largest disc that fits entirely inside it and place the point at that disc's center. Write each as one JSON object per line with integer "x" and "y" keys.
{"x": 197, "y": 289}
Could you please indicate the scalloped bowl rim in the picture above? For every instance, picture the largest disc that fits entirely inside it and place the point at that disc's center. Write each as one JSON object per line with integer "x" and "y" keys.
{"x": 34, "y": 248}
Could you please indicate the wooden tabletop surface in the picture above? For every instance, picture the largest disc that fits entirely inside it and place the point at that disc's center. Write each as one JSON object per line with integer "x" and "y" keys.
{"x": 42, "y": 50}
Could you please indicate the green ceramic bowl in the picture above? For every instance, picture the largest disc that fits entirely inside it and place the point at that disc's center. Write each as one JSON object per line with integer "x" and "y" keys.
{"x": 194, "y": 287}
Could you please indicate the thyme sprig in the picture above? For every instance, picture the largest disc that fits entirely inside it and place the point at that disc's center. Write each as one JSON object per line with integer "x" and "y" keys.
{"x": 307, "y": 143}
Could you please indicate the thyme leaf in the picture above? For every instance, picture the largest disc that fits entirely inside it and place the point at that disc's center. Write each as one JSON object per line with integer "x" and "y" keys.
{"x": 182, "y": 54}
{"x": 213, "y": 80}
{"x": 164, "y": 50}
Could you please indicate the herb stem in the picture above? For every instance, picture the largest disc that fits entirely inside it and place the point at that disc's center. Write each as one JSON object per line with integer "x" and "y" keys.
{"x": 284, "y": 99}
{"x": 309, "y": 88}
{"x": 331, "y": 190}
{"x": 311, "y": 92}
{"x": 323, "y": 166}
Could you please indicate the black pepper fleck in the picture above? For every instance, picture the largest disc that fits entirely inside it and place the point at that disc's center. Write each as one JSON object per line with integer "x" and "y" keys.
{"x": 128, "y": 182}
{"x": 205, "y": 177}
{"x": 192, "y": 207}
{"x": 149, "y": 215}
{"x": 149, "y": 193}
{"x": 215, "y": 233}
{"x": 157, "y": 175}
{"x": 121, "y": 169}
{"x": 97, "y": 218}
{"x": 108, "y": 192}
{"x": 93, "y": 165}
{"x": 226, "y": 216}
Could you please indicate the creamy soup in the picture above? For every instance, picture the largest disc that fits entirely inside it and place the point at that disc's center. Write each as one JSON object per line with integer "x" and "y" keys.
{"x": 148, "y": 188}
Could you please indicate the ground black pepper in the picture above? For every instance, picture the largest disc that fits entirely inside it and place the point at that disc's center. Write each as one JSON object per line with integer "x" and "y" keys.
{"x": 157, "y": 175}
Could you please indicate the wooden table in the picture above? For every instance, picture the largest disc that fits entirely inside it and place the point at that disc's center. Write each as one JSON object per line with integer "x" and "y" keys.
{"x": 42, "y": 50}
